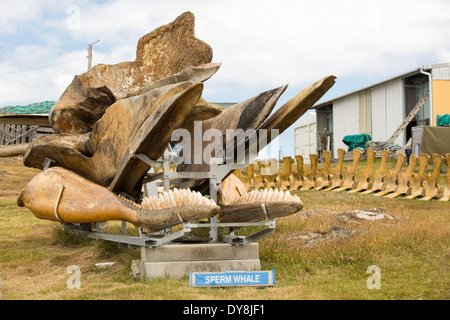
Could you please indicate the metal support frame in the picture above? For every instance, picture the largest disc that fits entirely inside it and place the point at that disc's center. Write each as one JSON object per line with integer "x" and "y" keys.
{"x": 217, "y": 173}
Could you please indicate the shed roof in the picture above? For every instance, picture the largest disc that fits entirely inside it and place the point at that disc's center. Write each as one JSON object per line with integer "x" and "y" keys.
{"x": 34, "y": 108}
{"x": 402, "y": 75}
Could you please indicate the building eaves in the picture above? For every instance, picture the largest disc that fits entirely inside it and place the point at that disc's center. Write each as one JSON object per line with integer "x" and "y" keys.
{"x": 402, "y": 75}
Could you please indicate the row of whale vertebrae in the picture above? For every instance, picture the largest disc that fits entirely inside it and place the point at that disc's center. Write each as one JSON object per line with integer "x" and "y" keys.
{"x": 380, "y": 182}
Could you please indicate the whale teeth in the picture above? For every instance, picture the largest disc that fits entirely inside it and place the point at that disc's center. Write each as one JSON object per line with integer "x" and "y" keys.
{"x": 176, "y": 198}
{"x": 256, "y": 196}
{"x": 128, "y": 201}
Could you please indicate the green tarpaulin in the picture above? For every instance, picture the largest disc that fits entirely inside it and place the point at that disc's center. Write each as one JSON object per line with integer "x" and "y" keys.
{"x": 354, "y": 141}
{"x": 443, "y": 119}
{"x": 34, "y": 108}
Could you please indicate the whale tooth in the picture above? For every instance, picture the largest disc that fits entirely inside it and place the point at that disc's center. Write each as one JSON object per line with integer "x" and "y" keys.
{"x": 152, "y": 203}
{"x": 259, "y": 196}
{"x": 190, "y": 197}
{"x": 176, "y": 194}
{"x": 269, "y": 195}
{"x": 162, "y": 203}
{"x": 248, "y": 197}
{"x": 264, "y": 195}
{"x": 244, "y": 198}
{"x": 166, "y": 199}
{"x": 274, "y": 195}
{"x": 158, "y": 203}
{"x": 254, "y": 195}
{"x": 181, "y": 196}
{"x": 276, "y": 192}
{"x": 287, "y": 195}
{"x": 172, "y": 199}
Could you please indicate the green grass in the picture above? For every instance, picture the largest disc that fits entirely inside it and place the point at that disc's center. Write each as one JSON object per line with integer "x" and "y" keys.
{"x": 412, "y": 253}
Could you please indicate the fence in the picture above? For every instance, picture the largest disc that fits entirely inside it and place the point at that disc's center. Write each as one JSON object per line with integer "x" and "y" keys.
{"x": 15, "y": 133}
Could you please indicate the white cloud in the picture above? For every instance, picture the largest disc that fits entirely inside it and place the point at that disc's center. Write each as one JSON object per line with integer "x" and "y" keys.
{"x": 262, "y": 44}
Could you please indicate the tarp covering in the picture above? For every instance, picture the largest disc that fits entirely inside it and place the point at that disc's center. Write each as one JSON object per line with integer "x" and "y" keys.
{"x": 443, "y": 119}
{"x": 34, "y": 108}
{"x": 436, "y": 140}
{"x": 354, "y": 141}
{"x": 382, "y": 145}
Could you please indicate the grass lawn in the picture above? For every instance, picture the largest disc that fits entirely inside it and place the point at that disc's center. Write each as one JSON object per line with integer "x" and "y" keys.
{"x": 411, "y": 250}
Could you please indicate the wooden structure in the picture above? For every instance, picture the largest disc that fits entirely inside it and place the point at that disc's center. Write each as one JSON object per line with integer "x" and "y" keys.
{"x": 23, "y": 124}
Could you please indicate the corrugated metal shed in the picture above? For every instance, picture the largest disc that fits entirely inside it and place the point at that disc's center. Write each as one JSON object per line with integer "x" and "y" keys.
{"x": 380, "y": 108}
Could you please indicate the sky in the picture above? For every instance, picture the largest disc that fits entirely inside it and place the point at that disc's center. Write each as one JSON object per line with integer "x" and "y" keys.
{"x": 261, "y": 44}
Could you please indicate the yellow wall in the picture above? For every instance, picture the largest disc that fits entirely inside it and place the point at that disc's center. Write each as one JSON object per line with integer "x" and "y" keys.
{"x": 441, "y": 98}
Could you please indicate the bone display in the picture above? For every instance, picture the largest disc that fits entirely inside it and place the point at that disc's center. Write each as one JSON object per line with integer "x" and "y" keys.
{"x": 114, "y": 122}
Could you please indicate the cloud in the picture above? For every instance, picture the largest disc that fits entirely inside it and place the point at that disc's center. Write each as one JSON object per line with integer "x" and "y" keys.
{"x": 262, "y": 44}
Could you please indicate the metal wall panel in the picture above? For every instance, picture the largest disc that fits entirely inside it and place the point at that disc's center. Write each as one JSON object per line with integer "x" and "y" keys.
{"x": 305, "y": 141}
{"x": 345, "y": 120}
{"x": 365, "y": 112}
{"x": 387, "y": 110}
{"x": 305, "y": 136}
{"x": 441, "y": 73}
{"x": 395, "y": 95}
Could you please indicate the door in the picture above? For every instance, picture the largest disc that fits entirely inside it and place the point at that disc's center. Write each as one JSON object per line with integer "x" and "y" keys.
{"x": 423, "y": 116}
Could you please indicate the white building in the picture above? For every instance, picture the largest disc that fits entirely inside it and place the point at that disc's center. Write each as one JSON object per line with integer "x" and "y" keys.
{"x": 305, "y": 137}
{"x": 379, "y": 109}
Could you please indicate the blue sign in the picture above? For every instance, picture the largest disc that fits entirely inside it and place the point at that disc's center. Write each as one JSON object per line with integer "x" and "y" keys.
{"x": 232, "y": 278}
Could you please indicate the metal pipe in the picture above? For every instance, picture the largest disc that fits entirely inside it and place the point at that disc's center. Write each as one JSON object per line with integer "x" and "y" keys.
{"x": 430, "y": 84}
{"x": 13, "y": 150}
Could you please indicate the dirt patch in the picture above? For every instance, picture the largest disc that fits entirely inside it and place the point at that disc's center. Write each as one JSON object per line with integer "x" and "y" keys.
{"x": 308, "y": 239}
